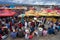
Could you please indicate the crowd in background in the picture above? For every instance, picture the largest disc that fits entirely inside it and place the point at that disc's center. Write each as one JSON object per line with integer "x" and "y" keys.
{"x": 24, "y": 28}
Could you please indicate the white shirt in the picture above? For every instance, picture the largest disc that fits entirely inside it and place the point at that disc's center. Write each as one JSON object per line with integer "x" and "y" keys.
{"x": 27, "y": 31}
{"x": 29, "y": 24}
{"x": 54, "y": 26}
{"x": 26, "y": 36}
{"x": 3, "y": 22}
{"x": 25, "y": 24}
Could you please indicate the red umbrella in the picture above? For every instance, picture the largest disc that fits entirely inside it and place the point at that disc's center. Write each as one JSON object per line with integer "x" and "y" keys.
{"x": 7, "y": 13}
{"x": 58, "y": 11}
{"x": 49, "y": 10}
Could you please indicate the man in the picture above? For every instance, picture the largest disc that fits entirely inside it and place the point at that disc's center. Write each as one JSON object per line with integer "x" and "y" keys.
{"x": 13, "y": 34}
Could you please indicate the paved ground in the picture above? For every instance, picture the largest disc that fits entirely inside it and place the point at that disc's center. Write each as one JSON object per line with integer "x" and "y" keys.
{"x": 48, "y": 37}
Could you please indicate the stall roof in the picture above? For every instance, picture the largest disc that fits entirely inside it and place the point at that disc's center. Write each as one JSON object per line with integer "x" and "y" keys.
{"x": 6, "y": 13}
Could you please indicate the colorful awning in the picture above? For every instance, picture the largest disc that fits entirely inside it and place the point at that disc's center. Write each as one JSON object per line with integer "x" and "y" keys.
{"x": 7, "y": 13}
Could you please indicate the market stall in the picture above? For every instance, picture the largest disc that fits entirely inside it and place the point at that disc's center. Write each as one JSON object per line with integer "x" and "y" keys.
{"x": 7, "y": 13}
{"x": 42, "y": 13}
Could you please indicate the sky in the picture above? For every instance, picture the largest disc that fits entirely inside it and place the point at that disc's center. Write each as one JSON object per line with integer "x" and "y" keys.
{"x": 32, "y": 2}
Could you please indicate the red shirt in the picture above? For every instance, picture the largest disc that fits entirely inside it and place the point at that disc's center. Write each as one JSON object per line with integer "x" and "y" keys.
{"x": 20, "y": 25}
{"x": 30, "y": 37}
{"x": 32, "y": 24}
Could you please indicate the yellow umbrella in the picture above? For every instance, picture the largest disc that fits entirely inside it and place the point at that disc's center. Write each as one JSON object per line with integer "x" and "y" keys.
{"x": 31, "y": 11}
{"x": 53, "y": 13}
{"x": 43, "y": 14}
{"x": 28, "y": 14}
{"x": 36, "y": 14}
{"x": 50, "y": 14}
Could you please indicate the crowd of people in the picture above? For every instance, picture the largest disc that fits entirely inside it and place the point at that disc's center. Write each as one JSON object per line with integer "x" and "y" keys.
{"x": 25, "y": 28}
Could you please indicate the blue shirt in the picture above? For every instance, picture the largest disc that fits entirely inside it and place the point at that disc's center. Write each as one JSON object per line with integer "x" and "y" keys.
{"x": 50, "y": 31}
{"x": 13, "y": 34}
{"x": 8, "y": 25}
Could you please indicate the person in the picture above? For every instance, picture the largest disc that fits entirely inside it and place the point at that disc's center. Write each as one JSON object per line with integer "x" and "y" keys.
{"x": 8, "y": 26}
{"x": 32, "y": 23}
{"x": 31, "y": 35}
{"x": 29, "y": 23}
{"x": 20, "y": 25}
{"x": 57, "y": 27}
{"x": 0, "y": 37}
{"x": 56, "y": 31}
{"x": 44, "y": 32}
{"x": 27, "y": 32}
{"x": 26, "y": 24}
{"x": 51, "y": 30}
{"x": 43, "y": 26}
{"x": 0, "y": 31}
{"x": 22, "y": 21}
{"x": 4, "y": 30}
{"x": 32, "y": 29}
{"x": 13, "y": 34}
{"x": 44, "y": 20}
{"x": 3, "y": 22}
{"x": 26, "y": 36}
{"x": 13, "y": 21}
{"x": 4, "y": 33}
{"x": 20, "y": 34}
{"x": 40, "y": 30}
{"x": 36, "y": 32}
{"x": 54, "y": 25}
{"x": 36, "y": 24}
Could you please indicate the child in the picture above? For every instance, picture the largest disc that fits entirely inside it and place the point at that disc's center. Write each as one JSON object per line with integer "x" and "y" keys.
{"x": 40, "y": 29}
{"x": 44, "y": 32}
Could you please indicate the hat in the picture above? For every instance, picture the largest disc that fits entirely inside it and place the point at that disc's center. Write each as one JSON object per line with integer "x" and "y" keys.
{"x": 35, "y": 18}
{"x": 27, "y": 31}
{"x": 40, "y": 29}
